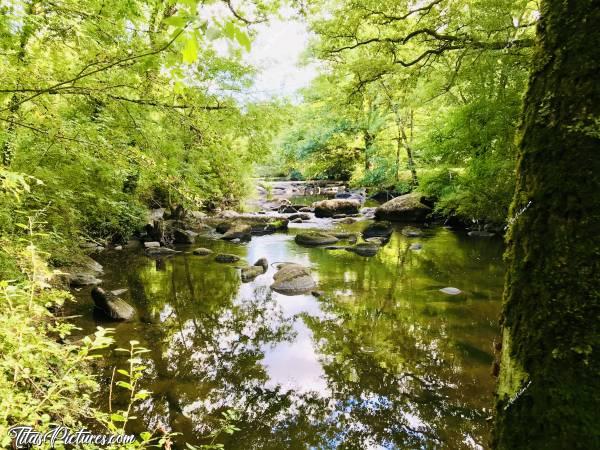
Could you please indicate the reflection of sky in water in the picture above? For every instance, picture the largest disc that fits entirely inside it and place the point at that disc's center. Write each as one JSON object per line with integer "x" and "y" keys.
{"x": 223, "y": 344}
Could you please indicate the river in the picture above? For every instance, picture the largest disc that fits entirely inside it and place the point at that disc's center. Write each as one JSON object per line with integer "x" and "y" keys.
{"x": 381, "y": 360}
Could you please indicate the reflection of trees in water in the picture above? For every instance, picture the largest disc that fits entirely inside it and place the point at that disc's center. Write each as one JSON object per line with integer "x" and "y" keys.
{"x": 390, "y": 355}
{"x": 399, "y": 366}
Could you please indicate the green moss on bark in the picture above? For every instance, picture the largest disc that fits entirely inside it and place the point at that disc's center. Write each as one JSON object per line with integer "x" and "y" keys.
{"x": 549, "y": 385}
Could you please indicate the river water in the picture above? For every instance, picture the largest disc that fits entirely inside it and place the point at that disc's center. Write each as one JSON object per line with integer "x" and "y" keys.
{"x": 382, "y": 360}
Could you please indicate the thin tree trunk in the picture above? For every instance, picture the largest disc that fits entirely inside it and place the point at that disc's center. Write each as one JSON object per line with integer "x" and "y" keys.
{"x": 13, "y": 108}
{"x": 549, "y": 381}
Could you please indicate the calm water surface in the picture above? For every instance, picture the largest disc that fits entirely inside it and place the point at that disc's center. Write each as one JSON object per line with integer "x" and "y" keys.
{"x": 382, "y": 360}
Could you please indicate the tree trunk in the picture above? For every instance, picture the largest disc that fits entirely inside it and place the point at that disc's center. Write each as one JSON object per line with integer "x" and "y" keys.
{"x": 549, "y": 382}
{"x": 368, "y": 144}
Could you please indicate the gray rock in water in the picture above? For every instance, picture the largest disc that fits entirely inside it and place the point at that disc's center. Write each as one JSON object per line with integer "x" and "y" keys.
{"x": 411, "y": 232}
{"x": 118, "y": 292}
{"x": 152, "y": 244}
{"x": 336, "y": 247}
{"x": 481, "y": 234}
{"x": 364, "y": 249}
{"x": 251, "y": 272}
{"x": 184, "y": 236}
{"x": 451, "y": 291}
{"x": 315, "y": 238}
{"x": 293, "y": 279}
{"x": 298, "y": 220}
{"x": 416, "y": 246}
{"x": 241, "y": 231}
{"x": 262, "y": 262}
{"x": 301, "y": 216}
{"x": 330, "y": 208}
{"x": 381, "y": 229}
{"x": 160, "y": 251}
{"x": 112, "y": 306}
{"x": 202, "y": 251}
{"x": 351, "y": 237}
{"x": 119, "y": 247}
{"x": 405, "y": 208}
{"x": 82, "y": 279}
{"x": 226, "y": 258}
{"x": 317, "y": 293}
{"x": 376, "y": 240}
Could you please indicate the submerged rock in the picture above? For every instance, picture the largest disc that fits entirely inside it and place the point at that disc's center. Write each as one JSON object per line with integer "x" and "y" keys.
{"x": 411, "y": 232}
{"x": 416, "y": 246}
{"x": 78, "y": 279}
{"x": 451, "y": 291}
{"x": 160, "y": 251}
{"x": 226, "y": 258}
{"x": 481, "y": 234}
{"x": 381, "y": 229}
{"x": 111, "y": 306}
{"x": 364, "y": 249}
{"x": 293, "y": 279}
{"x": 406, "y": 208}
{"x": 315, "y": 238}
{"x": 330, "y": 208}
{"x": 251, "y": 272}
{"x": 202, "y": 251}
{"x": 350, "y": 237}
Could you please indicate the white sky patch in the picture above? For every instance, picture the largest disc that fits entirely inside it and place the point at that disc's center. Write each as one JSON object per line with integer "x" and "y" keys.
{"x": 276, "y": 52}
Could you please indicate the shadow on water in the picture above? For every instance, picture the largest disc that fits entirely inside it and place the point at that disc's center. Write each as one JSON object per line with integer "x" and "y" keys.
{"x": 381, "y": 360}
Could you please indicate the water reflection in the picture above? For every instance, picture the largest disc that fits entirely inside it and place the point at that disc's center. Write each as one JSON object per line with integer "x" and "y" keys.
{"x": 381, "y": 360}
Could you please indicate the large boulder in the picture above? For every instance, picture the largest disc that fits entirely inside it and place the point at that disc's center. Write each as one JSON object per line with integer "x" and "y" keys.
{"x": 184, "y": 236}
{"x": 315, "y": 238}
{"x": 293, "y": 279}
{"x": 406, "y": 208}
{"x": 330, "y": 208}
{"x": 111, "y": 306}
{"x": 381, "y": 229}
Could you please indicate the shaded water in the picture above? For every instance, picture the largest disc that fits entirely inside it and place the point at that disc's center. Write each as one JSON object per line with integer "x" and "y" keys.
{"x": 382, "y": 360}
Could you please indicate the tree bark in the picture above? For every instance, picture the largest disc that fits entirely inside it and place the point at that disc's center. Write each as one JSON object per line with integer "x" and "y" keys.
{"x": 549, "y": 383}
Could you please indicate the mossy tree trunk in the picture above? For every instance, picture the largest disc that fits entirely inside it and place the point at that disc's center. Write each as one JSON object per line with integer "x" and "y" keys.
{"x": 549, "y": 383}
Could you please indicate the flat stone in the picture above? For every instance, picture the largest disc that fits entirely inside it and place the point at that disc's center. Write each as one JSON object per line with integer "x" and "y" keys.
{"x": 226, "y": 258}
{"x": 411, "y": 232}
{"x": 152, "y": 244}
{"x": 364, "y": 249}
{"x": 485, "y": 234}
{"x": 451, "y": 291}
{"x": 159, "y": 251}
{"x": 315, "y": 238}
{"x": 202, "y": 251}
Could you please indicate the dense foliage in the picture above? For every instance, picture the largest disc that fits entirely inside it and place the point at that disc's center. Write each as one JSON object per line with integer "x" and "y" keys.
{"x": 113, "y": 106}
{"x": 425, "y": 93}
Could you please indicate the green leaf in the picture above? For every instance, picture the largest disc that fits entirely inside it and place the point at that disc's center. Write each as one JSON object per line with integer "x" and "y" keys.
{"x": 176, "y": 21}
{"x": 190, "y": 50}
{"x": 243, "y": 39}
